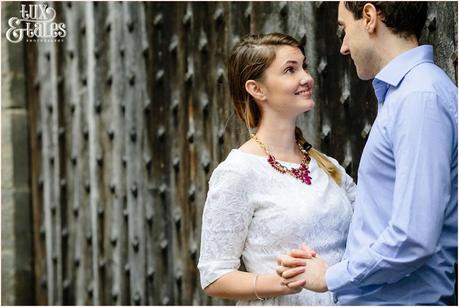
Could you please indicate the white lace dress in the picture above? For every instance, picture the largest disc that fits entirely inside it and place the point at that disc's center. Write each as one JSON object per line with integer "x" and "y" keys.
{"x": 254, "y": 212}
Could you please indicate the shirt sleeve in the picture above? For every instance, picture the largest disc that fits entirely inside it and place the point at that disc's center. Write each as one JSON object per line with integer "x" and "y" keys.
{"x": 422, "y": 134}
{"x": 226, "y": 218}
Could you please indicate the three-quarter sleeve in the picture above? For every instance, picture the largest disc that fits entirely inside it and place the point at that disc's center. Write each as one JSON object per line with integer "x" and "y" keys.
{"x": 225, "y": 222}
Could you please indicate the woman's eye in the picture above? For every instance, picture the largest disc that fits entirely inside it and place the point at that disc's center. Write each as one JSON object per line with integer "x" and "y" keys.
{"x": 305, "y": 66}
{"x": 289, "y": 70}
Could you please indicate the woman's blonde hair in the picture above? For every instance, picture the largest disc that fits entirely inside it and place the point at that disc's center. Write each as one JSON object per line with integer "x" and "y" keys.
{"x": 248, "y": 61}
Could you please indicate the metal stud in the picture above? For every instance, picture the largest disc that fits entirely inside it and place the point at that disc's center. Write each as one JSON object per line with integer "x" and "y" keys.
{"x": 161, "y": 133}
{"x": 365, "y": 131}
{"x": 97, "y": 106}
{"x": 159, "y": 76}
{"x": 109, "y": 80}
{"x": 221, "y": 135}
{"x": 321, "y": 69}
{"x": 190, "y": 135}
{"x": 135, "y": 244}
{"x": 177, "y": 216}
{"x": 163, "y": 244}
{"x": 132, "y": 79}
{"x": 100, "y": 211}
{"x": 43, "y": 281}
{"x": 85, "y": 133}
{"x": 191, "y": 193}
{"x": 113, "y": 240}
{"x": 137, "y": 299}
{"x": 158, "y": 21}
{"x": 130, "y": 25}
{"x": 325, "y": 133}
{"x": 220, "y": 75}
{"x": 203, "y": 43}
{"x": 283, "y": 8}
{"x": 344, "y": 99}
{"x": 61, "y": 132}
{"x": 174, "y": 106}
{"x": 173, "y": 45}
{"x": 176, "y": 163}
{"x": 149, "y": 218}
{"x": 76, "y": 210}
{"x": 147, "y": 160}
{"x": 187, "y": 19}
{"x": 431, "y": 23}
{"x": 218, "y": 16}
{"x": 162, "y": 189}
{"x": 65, "y": 233}
{"x": 205, "y": 161}
{"x": 89, "y": 237}
{"x": 111, "y": 133}
{"x": 150, "y": 273}
{"x": 134, "y": 190}
{"x": 133, "y": 134}
{"x": 114, "y": 295}
{"x": 248, "y": 12}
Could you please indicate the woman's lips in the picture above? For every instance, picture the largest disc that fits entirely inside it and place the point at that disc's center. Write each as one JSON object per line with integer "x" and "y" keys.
{"x": 304, "y": 93}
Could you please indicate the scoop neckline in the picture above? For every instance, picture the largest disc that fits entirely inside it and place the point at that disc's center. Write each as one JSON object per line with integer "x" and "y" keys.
{"x": 262, "y": 157}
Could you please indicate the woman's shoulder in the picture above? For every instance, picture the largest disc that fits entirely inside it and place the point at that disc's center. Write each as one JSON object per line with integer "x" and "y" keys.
{"x": 235, "y": 162}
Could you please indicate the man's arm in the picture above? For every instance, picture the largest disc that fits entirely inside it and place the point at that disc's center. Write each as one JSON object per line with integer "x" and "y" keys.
{"x": 422, "y": 148}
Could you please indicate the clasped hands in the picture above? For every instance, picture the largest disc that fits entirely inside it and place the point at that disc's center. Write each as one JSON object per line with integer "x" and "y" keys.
{"x": 302, "y": 268}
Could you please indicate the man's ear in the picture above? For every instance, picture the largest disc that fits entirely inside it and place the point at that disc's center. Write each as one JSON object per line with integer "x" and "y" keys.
{"x": 370, "y": 16}
{"x": 254, "y": 89}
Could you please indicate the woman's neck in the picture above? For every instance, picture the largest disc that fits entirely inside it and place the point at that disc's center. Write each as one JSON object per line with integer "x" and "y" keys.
{"x": 278, "y": 136}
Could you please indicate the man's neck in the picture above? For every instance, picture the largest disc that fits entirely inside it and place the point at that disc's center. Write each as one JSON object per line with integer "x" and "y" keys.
{"x": 392, "y": 46}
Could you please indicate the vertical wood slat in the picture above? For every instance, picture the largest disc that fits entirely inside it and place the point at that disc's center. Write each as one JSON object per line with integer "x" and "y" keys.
{"x": 93, "y": 146}
{"x": 137, "y": 171}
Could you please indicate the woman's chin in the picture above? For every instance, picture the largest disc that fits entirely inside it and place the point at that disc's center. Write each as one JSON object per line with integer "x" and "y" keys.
{"x": 308, "y": 104}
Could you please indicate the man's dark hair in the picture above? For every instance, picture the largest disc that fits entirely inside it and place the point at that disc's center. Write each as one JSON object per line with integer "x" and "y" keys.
{"x": 403, "y": 18}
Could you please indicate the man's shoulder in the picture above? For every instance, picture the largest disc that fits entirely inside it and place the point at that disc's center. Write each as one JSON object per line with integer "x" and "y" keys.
{"x": 428, "y": 77}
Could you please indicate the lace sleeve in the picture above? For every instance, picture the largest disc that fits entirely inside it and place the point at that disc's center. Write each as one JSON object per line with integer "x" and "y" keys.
{"x": 225, "y": 222}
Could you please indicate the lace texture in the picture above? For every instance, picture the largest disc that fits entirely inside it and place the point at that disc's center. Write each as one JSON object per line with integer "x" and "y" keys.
{"x": 255, "y": 213}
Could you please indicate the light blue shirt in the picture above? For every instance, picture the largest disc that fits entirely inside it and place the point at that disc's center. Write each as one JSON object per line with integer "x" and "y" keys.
{"x": 402, "y": 242}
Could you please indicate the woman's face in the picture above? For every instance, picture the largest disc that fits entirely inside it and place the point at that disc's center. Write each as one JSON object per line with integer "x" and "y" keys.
{"x": 286, "y": 83}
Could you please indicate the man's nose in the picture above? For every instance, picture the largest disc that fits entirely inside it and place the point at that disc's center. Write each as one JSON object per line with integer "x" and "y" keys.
{"x": 344, "y": 50}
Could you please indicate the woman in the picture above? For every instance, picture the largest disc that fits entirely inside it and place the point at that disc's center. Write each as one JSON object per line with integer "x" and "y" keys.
{"x": 275, "y": 190}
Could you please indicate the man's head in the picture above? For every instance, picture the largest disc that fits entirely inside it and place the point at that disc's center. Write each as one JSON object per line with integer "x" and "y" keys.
{"x": 375, "y": 32}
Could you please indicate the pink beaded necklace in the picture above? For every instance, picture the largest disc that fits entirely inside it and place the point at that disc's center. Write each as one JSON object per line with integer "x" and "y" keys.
{"x": 301, "y": 173}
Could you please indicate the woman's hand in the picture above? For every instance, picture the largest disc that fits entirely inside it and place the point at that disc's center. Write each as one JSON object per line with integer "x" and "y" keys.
{"x": 295, "y": 258}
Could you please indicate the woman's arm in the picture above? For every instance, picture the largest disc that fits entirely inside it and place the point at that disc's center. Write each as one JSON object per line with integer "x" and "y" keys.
{"x": 247, "y": 286}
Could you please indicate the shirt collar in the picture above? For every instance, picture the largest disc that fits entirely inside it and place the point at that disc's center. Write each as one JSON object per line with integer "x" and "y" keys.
{"x": 395, "y": 70}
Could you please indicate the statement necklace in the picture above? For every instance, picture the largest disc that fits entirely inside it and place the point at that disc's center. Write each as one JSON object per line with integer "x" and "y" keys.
{"x": 301, "y": 173}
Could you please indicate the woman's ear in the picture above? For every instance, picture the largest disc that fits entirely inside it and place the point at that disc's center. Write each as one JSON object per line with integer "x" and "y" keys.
{"x": 255, "y": 90}
{"x": 370, "y": 16}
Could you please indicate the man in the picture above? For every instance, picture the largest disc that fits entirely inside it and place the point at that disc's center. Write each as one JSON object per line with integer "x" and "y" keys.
{"x": 402, "y": 242}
